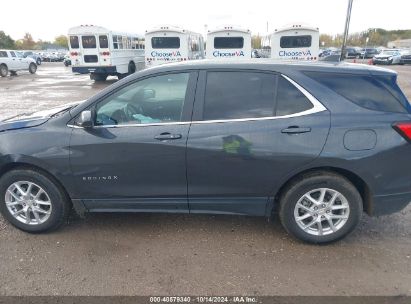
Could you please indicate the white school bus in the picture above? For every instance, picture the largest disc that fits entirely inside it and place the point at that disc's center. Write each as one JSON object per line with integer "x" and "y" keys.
{"x": 167, "y": 44}
{"x": 228, "y": 42}
{"x": 295, "y": 42}
{"x": 100, "y": 52}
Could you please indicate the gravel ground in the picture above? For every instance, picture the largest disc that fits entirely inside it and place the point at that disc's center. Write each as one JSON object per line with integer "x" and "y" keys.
{"x": 147, "y": 254}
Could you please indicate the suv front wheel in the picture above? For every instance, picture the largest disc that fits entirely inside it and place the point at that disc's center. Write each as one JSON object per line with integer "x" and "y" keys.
{"x": 320, "y": 207}
{"x": 31, "y": 201}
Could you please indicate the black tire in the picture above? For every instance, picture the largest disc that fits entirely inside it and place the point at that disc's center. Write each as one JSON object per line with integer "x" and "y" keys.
{"x": 60, "y": 204}
{"x": 131, "y": 68}
{"x": 121, "y": 76}
{"x": 315, "y": 180}
{"x": 38, "y": 61}
{"x": 32, "y": 68}
{"x": 4, "y": 70}
{"x": 98, "y": 77}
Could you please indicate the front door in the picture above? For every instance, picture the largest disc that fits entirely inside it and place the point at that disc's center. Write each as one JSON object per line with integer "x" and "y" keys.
{"x": 134, "y": 157}
{"x": 252, "y": 130}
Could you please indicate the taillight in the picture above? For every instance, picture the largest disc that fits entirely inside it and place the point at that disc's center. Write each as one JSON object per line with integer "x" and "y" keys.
{"x": 404, "y": 128}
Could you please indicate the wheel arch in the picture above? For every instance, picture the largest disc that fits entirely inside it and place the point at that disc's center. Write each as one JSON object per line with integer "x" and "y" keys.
{"x": 27, "y": 166}
{"x": 356, "y": 180}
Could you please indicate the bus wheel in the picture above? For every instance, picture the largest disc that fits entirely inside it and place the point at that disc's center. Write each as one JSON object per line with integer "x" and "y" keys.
{"x": 131, "y": 68}
{"x": 98, "y": 77}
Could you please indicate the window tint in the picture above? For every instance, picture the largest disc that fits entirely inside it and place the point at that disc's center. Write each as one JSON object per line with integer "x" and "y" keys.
{"x": 74, "y": 42}
{"x": 12, "y": 54}
{"x": 3, "y": 54}
{"x": 232, "y": 95}
{"x": 290, "y": 100}
{"x": 152, "y": 100}
{"x": 103, "y": 41}
{"x": 228, "y": 42}
{"x": 165, "y": 42}
{"x": 288, "y": 42}
{"x": 371, "y": 92}
{"x": 89, "y": 42}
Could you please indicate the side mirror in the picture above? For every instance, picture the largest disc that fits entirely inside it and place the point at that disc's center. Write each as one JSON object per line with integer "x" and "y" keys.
{"x": 86, "y": 119}
{"x": 149, "y": 93}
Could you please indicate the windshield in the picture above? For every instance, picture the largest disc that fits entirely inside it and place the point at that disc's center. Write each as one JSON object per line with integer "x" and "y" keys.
{"x": 389, "y": 52}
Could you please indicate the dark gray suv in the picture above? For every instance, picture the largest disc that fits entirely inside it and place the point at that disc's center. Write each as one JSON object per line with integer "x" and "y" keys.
{"x": 317, "y": 143}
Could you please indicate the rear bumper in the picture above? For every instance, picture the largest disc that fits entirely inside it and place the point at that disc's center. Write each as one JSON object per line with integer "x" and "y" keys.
{"x": 387, "y": 204}
{"x": 95, "y": 69}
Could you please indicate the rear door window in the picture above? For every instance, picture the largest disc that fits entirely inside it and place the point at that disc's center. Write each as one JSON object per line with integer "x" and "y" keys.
{"x": 89, "y": 42}
{"x": 378, "y": 93}
{"x": 74, "y": 42}
{"x": 235, "y": 95}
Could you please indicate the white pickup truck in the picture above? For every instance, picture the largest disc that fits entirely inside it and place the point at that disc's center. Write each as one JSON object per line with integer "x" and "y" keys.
{"x": 12, "y": 61}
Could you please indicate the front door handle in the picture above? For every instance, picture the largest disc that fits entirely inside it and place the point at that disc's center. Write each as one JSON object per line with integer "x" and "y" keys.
{"x": 168, "y": 136}
{"x": 295, "y": 130}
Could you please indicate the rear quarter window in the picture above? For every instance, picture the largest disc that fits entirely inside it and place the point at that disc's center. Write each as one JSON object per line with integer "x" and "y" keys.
{"x": 378, "y": 93}
{"x": 3, "y": 54}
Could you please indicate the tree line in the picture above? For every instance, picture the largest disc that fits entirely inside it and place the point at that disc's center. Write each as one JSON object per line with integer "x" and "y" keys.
{"x": 376, "y": 37}
{"x": 28, "y": 43}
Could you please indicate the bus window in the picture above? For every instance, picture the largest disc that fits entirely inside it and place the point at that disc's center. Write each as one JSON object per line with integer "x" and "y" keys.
{"x": 74, "y": 42}
{"x": 115, "y": 42}
{"x": 165, "y": 42}
{"x": 228, "y": 42}
{"x": 89, "y": 42}
{"x": 287, "y": 42}
{"x": 103, "y": 41}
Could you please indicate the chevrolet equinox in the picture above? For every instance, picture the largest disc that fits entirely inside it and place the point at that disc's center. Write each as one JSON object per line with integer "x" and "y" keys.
{"x": 319, "y": 144}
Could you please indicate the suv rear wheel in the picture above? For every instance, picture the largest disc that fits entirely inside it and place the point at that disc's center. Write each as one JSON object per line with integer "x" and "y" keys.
{"x": 31, "y": 201}
{"x": 4, "y": 70}
{"x": 320, "y": 207}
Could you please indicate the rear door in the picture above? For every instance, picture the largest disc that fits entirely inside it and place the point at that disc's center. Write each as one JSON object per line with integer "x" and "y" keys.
{"x": 90, "y": 49}
{"x": 250, "y": 129}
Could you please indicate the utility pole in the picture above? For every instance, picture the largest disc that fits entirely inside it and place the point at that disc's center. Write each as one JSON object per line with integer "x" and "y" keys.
{"x": 347, "y": 27}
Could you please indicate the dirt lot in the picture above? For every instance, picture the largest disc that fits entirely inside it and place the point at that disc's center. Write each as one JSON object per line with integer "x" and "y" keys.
{"x": 148, "y": 254}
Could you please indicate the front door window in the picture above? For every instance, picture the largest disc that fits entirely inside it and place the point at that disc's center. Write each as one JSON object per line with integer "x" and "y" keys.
{"x": 158, "y": 99}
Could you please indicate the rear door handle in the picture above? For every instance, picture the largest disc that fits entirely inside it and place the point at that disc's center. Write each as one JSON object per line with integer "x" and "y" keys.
{"x": 295, "y": 130}
{"x": 168, "y": 136}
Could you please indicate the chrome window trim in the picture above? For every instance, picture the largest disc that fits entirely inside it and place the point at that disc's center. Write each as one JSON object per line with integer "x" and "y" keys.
{"x": 317, "y": 107}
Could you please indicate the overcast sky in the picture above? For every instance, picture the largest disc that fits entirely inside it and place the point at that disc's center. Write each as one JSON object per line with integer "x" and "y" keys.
{"x": 49, "y": 18}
